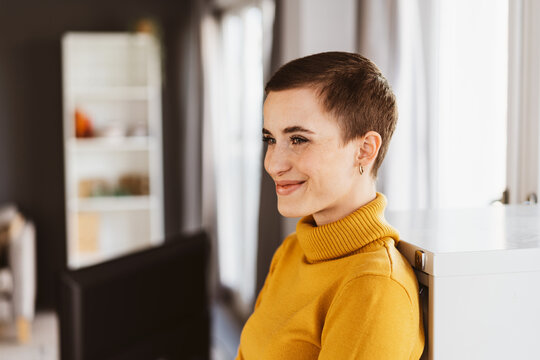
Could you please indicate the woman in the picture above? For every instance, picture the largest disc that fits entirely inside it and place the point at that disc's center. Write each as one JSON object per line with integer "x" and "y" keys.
{"x": 337, "y": 288}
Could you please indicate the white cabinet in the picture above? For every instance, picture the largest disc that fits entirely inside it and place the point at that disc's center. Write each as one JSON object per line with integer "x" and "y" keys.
{"x": 112, "y": 144}
{"x": 480, "y": 269}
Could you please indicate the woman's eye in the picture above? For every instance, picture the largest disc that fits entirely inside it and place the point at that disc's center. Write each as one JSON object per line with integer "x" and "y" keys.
{"x": 297, "y": 140}
{"x": 269, "y": 140}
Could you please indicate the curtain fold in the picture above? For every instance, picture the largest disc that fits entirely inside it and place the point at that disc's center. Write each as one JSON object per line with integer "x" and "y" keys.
{"x": 269, "y": 218}
{"x": 397, "y": 36}
{"x": 235, "y": 53}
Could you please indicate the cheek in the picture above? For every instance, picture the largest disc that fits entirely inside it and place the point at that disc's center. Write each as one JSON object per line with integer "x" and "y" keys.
{"x": 332, "y": 172}
{"x": 319, "y": 169}
{"x": 309, "y": 164}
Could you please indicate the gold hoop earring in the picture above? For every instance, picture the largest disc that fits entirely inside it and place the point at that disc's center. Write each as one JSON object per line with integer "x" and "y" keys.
{"x": 361, "y": 170}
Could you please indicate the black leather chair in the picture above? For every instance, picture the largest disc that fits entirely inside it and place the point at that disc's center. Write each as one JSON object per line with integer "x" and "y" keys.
{"x": 145, "y": 306}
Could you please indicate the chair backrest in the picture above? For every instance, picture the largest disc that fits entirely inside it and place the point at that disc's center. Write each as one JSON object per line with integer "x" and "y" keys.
{"x": 423, "y": 283}
{"x": 424, "y": 305}
{"x": 149, "y": 305}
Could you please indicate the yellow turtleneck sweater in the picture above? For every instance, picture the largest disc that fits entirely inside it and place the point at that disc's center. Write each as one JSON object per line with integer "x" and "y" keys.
{"x": 338, "y": 291}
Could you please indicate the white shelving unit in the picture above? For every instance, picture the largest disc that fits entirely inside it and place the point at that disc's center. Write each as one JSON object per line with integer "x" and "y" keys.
{"x": 112, "y": 145}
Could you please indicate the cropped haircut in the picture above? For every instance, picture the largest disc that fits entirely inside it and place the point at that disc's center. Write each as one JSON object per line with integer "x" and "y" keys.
{"x": 350, "y": 88}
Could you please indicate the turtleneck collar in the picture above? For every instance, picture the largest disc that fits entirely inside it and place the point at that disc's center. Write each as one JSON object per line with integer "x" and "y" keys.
{"x": 347, "y": 235}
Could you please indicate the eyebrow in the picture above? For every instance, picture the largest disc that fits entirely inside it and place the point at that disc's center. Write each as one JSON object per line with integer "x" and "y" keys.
{"x": 290, "y": 129}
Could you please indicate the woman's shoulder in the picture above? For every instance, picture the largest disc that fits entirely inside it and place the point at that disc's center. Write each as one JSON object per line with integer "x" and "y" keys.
{"x": 287, "y": 244}
{"x": 285, "y": 249}
{"x": 384, "y": 263}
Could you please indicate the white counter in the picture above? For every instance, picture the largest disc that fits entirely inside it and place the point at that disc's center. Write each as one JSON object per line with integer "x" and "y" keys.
{"x": 481, "y": 268}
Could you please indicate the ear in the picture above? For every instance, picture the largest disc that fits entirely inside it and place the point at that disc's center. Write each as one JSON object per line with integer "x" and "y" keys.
{"x": 368, "y": 148}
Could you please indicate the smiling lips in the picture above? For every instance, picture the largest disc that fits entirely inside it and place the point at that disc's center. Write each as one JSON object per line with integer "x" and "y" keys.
{"x": 286, "y": 187}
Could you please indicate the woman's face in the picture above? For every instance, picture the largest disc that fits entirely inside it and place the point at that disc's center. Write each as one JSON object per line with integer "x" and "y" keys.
{"x": 314, "y": 172}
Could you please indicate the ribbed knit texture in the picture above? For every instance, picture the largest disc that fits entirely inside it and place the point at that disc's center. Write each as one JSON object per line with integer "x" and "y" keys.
{"x": 338, "y": 291}
{"x": 347, "y": 235}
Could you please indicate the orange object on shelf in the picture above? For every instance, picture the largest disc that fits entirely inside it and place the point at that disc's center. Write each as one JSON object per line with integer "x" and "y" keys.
{"x": 83, "y": 125}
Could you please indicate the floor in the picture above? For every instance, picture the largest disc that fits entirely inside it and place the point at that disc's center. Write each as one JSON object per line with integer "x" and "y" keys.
{"x": 225, "y": 333}
{"x": 43, "y": 345}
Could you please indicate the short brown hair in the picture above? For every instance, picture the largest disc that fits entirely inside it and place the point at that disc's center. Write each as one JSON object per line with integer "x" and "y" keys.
{"x": 351, "y": 88}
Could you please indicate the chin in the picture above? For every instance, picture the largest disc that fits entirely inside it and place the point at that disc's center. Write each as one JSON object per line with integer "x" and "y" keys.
{"x": 291, "y": 211}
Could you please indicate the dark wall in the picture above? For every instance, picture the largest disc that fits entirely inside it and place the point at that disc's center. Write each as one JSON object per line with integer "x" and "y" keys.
{"x": 31, "y": 148}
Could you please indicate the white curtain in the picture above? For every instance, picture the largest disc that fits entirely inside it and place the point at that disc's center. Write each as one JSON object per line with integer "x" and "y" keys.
{"x": 523, "y": 158}
{"x": 392, "y": 34}
{"x": 446, "y": 61}
{"x": 233, "y": 82}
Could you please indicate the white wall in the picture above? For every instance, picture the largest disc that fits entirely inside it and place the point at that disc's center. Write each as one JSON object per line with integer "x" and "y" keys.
{"x": 312, "y": 26}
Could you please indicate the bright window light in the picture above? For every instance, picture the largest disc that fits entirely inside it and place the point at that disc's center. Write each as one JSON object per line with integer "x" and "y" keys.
{"x": 472, "y": 101}
{"x": 237, "y": 143}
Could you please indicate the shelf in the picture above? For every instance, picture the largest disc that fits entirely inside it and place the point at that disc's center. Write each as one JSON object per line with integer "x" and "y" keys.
{"x": 113, "y": 93}
{"x": 135, "y": 143}
{"x": 114, "y": 79}
{"x": 112, "y": 203}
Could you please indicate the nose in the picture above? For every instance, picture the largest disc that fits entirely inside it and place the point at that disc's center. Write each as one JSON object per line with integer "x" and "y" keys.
{"x": 276, "y": 161}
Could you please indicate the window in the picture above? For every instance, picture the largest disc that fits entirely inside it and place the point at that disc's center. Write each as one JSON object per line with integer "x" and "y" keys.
{"x": 232, "y": 54}
{"x": 473, "y": 53}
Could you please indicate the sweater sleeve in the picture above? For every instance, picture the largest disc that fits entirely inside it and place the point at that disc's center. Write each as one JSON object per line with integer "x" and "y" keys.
{"x": 372, "y": 318}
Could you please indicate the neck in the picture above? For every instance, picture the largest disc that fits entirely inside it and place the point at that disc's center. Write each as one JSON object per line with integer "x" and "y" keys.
{"x": 366, "y": 193}
{"x": 357, "y": 232}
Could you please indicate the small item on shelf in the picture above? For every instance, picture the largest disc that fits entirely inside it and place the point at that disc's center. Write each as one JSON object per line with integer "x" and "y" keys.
{"x": 88, "y": 229}
{"x": 83, "y": 125}
{"x": 85, "y": 188}
{"x": 120, "y": 191}
{"x": 135, "y": 184}
{"x": 113, "y": 130}
{"x": 148, "y": 25}
{"x": 93, "y": 187}
{"x": 101, "y": 188}
{"x": 138, "y": 129}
